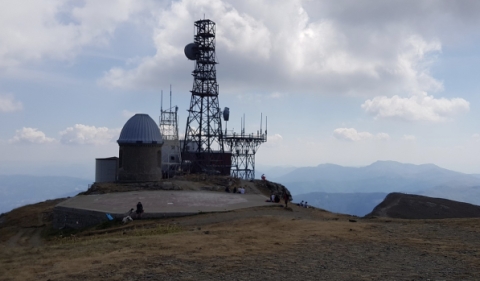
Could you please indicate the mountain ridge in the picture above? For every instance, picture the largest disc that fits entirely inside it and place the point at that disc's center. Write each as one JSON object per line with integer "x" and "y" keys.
{"x": 385, "y": 177}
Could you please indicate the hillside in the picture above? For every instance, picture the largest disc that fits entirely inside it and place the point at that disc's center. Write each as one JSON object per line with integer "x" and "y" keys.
{"x": 263, "y": 243}
{"x": 409, "y": 206}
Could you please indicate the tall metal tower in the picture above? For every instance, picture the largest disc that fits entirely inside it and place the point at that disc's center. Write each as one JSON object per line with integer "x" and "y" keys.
{"x": 203, "y": 145}
{"x": 171, "y": 156}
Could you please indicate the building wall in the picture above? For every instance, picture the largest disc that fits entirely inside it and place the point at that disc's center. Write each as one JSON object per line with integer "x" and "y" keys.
{"x": 73, "y": 218}
{"x": 170, "y": 155}
{"x": 106, "y": 170}
{"x": 140, "y": 163}
{"x": 68, "y": 218}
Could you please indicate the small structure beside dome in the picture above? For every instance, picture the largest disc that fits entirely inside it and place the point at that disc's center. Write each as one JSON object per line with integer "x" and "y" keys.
{"x": 140, "y": 150}
{"x": 106, "y": 169}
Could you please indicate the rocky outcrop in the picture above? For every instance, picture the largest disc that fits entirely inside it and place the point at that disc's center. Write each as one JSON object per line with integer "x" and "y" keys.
{"x": 268, "y": 188}
{"x": 409, "y": 206}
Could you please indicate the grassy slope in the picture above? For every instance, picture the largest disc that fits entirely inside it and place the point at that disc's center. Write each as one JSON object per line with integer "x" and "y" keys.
{"x": 258, "y": 243}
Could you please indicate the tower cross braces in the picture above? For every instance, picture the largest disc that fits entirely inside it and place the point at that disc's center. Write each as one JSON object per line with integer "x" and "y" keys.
{"x": 244, "y": 147}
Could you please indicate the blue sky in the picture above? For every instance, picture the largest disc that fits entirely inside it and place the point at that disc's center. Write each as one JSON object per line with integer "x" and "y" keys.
{"x": 344, "y": 82}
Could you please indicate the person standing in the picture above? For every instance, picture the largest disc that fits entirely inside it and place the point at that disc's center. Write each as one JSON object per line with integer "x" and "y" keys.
{"x": 286, "y": 198}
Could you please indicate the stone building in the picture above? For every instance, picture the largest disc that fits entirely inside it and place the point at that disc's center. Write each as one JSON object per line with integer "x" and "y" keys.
{"x": 140, "y": 152}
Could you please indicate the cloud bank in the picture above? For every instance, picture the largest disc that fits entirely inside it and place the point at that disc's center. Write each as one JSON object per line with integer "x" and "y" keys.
{"x": 291, "y": 47}
{"x": 88, "y": 135}
{"x": 351, "y": 134}
{"x": 420, "y": 107}
{"x": 31, "y": 30}
{"x": 29, "y": 136}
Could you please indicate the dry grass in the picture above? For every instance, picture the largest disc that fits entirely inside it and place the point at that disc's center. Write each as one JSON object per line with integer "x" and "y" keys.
{"x": 258, "y": 243}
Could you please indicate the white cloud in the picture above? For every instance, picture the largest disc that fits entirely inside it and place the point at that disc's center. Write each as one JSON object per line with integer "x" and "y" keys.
{"x": 273, "y": 141}
{"x": 289, "y": 47}
{"x": 238, "y": 34}
{"x": 9, "y": 104}
{"x": 382, "y": 136}
{"x": 351, "y": 134}
{"x": 314, "y": 47}
{"x": 418, "y": 107}
{"x": 275, "y": 138}
{"x": 33, "y": 30}
{"x": 409, "y": 138}
{"x": 89, "y": 135}
{"x": 127, "y": 113}
{"x": 30, "y": 135}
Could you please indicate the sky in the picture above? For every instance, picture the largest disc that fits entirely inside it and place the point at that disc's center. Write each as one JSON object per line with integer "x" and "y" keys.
{"x": 343, "y": 82}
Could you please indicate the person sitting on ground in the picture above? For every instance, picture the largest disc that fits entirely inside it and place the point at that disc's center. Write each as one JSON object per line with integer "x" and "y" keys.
{"x": 235, "y": 189}
{"x": 128, "y": 216}
{"x": 139, "y": 210}
{"x": 277, "y": 198}
{"x": 305, "y": 205}
{"x": 300, "y": 204}
{"x": 272, "y": 198}
{"x": 263, "y": 177}
{"x": 242, "y": 190}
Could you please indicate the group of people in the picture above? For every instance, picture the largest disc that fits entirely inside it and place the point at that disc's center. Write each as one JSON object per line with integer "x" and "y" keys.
{"x": 138, "y": 213}
{"x": 303, "y": 204}
{"x": 276, "y": 199}
{"x": 240, "y": 190}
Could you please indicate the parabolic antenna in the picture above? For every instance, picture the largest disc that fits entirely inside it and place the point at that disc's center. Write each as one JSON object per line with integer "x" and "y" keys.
{"x": 191, "y": 51}
{"x": 226, "y": 113}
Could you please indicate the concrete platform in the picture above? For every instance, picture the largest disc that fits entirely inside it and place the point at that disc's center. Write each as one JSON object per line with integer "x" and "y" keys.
{"x": 85, "y": 210}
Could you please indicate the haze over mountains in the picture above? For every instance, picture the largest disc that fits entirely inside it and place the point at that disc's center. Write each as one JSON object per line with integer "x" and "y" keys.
{"x": 332, "y": 187}
{"x": 19, "y": 190}
{"x": 350, "y": 190}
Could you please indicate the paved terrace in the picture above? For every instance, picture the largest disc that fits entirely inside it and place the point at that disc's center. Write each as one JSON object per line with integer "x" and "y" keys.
{"x": 164, "y": 203}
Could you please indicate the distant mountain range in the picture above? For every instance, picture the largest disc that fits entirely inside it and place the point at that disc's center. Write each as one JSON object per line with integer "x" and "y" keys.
{"x": 19, "y": 190}
{"x": 382, "y": 177}
{"x": 351, "y": 190}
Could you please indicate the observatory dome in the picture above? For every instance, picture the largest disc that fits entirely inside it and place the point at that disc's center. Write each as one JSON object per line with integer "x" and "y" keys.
{"x": 140, "y": 129}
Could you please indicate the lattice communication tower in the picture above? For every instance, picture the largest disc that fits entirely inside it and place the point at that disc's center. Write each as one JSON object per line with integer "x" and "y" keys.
{"x": 203, "y": 146}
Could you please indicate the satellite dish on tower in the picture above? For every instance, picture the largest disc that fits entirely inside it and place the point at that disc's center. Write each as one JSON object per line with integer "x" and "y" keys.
{"x": 226, "y": 113}
{"x": 191, "y": 51}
